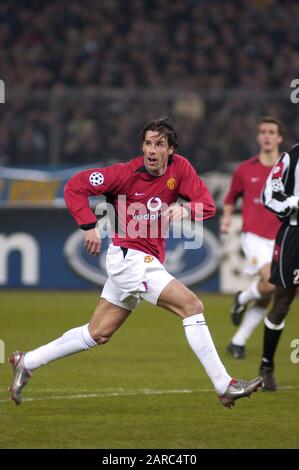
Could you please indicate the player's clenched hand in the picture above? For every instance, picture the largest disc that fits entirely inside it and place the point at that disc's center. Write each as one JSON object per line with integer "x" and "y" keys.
{"x": 175, "y": 212}
{"x": 92, "y": 241}
{"x": 225, "y": 224}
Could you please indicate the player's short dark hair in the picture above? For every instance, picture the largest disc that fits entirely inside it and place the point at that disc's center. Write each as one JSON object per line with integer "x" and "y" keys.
{"x": 163, "y": 126}
{"x": 272, "y": 120}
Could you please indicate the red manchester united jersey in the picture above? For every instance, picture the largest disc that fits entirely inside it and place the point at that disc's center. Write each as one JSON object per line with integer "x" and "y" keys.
{"x": 138, "y": 198}
{"x": 247, "y": 182}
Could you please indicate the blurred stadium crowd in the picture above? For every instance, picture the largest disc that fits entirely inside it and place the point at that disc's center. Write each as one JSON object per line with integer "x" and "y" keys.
{"x": 82, "y": 77}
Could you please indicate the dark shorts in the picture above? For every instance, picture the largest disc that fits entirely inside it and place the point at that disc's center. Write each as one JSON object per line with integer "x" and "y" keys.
{"x": 285, "y": 261}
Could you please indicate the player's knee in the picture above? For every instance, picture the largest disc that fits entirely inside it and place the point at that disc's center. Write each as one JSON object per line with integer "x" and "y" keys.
{"x": 266, "y": 288}
{"x": 102, "y": 339}
{"x": 98, "y": 336}
{"x": 192, "y": 306}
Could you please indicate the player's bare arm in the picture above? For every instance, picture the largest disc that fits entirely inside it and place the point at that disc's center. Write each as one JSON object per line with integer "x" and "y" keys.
{"x": 226, "y": 220}
{"x": 92, "y": 241}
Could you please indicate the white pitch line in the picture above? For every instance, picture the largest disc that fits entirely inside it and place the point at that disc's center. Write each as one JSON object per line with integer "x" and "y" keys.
{"x": 119, "y": 393}
{"x": 124, "y": 393}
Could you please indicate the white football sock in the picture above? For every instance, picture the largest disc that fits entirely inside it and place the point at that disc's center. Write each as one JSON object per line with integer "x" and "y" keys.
{"x": 201, "y": 343}
{"x": 252, "y": 293}
{"x": 73, "y": 341}
{"x": 252, "y": 318}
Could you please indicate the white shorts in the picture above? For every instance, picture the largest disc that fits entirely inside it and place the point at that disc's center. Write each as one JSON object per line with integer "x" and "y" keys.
{"x": 258, "y": 251}
{"x": 133, "y": 277}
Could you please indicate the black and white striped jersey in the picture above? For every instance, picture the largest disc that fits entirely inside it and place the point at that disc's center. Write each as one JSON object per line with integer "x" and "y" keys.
{"x": 281, "y": 191}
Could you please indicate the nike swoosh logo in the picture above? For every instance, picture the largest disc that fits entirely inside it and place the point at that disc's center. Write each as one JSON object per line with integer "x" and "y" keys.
{"x": 139, "y": 194}
{"x": 254, "y": 180}
{"x": 239, "y": 392}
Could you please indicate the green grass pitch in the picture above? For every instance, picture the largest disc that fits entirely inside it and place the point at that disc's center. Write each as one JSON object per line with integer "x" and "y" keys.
{"x": 144, "y": 389}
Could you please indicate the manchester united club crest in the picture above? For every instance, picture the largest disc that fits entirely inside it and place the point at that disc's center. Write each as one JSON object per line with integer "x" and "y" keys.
{"x": 171, "y": 183}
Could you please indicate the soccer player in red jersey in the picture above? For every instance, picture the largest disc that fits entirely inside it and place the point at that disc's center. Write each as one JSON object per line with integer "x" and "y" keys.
{"x": 148, "y": 186}
{"x": 258, "y": 232}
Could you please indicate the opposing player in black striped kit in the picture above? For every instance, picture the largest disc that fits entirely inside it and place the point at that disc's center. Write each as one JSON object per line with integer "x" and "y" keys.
{"x": 281, "y": 195}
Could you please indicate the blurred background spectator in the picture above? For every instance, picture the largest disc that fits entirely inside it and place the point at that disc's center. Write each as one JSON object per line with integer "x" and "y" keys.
{"x": 82, "y": 77}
